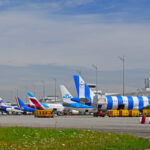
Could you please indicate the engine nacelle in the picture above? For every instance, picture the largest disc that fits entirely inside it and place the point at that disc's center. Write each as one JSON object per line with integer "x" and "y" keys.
{"x": 75, "y": 112}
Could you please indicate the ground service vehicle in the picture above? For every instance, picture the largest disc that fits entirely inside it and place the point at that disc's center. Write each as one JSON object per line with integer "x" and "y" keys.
{"x": 43, "y": 113}
{"x": 146, "y": 112}
{"x": 99, "y": 114}
{"x": 113, "y": 113}
{"x": 134, "y": 113}
{"x": 123, "y": 113}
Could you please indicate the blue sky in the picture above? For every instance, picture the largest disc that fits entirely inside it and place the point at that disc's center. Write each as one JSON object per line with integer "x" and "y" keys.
{"x": 126, "y": 10}
{"x": 73, "y": 35}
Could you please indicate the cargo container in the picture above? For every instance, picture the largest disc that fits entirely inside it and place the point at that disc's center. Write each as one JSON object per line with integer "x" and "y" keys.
{"x": 134, "y": 113}
{"x": 123, "y": 113}
{"x": 43, "y": 113}
{"x": 113, "y": 113}
{"x": 146, "y": 112}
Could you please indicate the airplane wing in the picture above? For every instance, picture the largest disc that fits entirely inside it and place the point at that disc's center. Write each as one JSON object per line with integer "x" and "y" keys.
{"x": 66, "y": 104}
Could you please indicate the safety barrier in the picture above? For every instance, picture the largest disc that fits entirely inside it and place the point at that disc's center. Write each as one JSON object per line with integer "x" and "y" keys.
{"x": 145, "y": 120}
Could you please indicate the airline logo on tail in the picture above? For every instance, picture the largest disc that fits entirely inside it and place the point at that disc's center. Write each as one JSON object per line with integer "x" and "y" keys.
{"x": 35, "y": 101}
{"x": 67, "y": 96}
{"x": 81, "y": 84}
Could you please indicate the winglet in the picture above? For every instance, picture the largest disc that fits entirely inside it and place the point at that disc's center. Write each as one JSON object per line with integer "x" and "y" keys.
{"x": 31, "y": 94}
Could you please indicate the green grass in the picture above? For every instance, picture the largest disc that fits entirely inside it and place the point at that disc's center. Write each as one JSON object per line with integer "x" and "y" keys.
{"x": 21, "y": 138}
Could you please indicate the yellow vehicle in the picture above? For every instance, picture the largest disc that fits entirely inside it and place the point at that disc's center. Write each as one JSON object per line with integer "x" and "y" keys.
{"x": 134, "y": 113}
{"x": 123, "y": 113}
{"x": 113, "y": 113}
{"x": 43, "y": 113}
{"x": 146, "y": 112}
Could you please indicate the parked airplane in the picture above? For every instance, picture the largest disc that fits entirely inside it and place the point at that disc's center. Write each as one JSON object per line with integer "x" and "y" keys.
{"x": 66, "y": 96}
{"x": 50, "y": 106}
{"x": 85, "y": 95}
{"x": 23, "y": 107}
{"x": 8, "y": 109}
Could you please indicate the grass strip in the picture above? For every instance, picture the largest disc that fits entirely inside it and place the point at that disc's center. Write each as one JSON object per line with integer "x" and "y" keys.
{"x": 16, "y": 138}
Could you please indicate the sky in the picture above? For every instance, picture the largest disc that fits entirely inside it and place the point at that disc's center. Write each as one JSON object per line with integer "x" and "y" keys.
{"x": 46, "y": 39}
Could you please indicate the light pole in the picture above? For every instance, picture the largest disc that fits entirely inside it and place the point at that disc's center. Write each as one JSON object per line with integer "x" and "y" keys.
{"x": 79, "y": 72}
{"x": 43, "y": 90}
{"x": 17, "y": 92}
{"x": 96, "y": 68}
{"x": 55, "y": 88}
{"x": 34, "y": 88}
{"x": 26, "y": 90}
{"x": 123, "y": 71}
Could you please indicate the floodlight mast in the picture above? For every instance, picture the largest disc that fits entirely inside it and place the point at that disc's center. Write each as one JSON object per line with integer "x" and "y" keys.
{"x": 43, "y": 89}
{"x": 123, "y": 72}
{"x": 55, "y": 88}
{"x": 79, "y": 72}
{"x": 96, "y": 68}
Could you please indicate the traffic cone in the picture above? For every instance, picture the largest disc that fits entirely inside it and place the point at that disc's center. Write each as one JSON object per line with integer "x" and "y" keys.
{"x": 143, "y": 120}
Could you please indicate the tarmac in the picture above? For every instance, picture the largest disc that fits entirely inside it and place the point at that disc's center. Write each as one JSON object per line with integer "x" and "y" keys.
{"x": 128, "y": 125}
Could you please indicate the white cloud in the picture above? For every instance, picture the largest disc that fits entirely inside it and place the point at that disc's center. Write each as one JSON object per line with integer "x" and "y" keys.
{"x": 28, "y": 38}
{"x": 36, "y": 37}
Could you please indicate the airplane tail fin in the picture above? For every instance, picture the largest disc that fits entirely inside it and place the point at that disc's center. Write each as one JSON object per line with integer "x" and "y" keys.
{"x": 83, "y": 91}
{"x": 35, "y": 101}
{"x": 1, "y": 101}
{"x": 20, "y": 103}
{"x": 66, "y": 95}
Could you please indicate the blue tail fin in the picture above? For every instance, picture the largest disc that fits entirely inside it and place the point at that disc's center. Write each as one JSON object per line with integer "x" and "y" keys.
{"x": 83, "y": 91}
{"x": 76, "y": 80}
{"x": 20, "y": 103}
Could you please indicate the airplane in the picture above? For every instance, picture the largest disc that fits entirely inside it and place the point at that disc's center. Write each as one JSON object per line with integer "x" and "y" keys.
{"x": 23, "y": 107}
{"x": 85, "y": 95}
{"x": 58, "y": 107}
{"x": 68, "y": 103}
{"x": 7, "y": 108}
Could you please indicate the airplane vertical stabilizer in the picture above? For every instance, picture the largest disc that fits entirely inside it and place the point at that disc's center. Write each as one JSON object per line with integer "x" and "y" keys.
{"x": 83, "y": 91}
{"x": 35, "y": 101}
{"x": 1, "y": 101}
{"x": 20, "y": 103}
{"x": 66, "y": 95}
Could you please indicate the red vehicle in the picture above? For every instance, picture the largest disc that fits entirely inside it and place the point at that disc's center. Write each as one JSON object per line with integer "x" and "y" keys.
{"x": 99, "y": 114}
